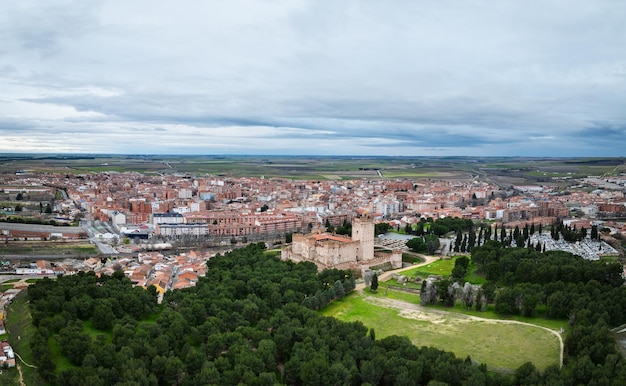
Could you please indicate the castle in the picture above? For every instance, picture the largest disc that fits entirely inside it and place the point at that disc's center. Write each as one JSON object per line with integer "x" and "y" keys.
{"x": 341, "y": 252}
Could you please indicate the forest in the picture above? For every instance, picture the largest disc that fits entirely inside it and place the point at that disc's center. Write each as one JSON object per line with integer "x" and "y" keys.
{"x": 252, "y": 321}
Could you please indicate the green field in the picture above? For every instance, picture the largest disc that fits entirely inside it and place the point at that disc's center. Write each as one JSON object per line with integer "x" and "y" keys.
{"x": 503, "y": 171}
{"x": 36, "y": 248}
{"x": 501, "y": 346}
{"x": 441, "y": 267}
{"x": 20, "y": 328}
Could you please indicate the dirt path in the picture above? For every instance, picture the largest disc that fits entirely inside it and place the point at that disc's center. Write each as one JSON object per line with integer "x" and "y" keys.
{"x": 425, "y": 313}
{"x": 19, "y": 370}
{"x": 385, "y": 276}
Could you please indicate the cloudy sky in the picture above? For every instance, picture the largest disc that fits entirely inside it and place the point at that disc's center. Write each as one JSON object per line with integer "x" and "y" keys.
{"x": 320, "y": 77}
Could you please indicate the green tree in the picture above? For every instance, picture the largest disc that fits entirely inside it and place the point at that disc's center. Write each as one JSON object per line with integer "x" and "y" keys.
{"x": 432, "y": 243}
{"x": 340, "y": 291}
{"x": 416, "y": 244}
{"x": 381, "y": 228}
{"x": 374, "y": 285}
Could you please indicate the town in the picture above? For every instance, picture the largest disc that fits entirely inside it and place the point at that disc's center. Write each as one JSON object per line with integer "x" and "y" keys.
{"x": 161, "y": 229}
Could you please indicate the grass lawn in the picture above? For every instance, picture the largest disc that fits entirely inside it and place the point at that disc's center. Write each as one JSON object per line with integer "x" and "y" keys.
{"x": 393, "y": 294}
{"x": 61, "y": 361}
{"x": 408, "y": 284}
{"x": 500, "y": 346}
{"x": 473, "y": 277}
{"x": 440, "y": 267}
{"x": 41, "y": 248}
{"x": 489, "y": 313}
{"x": 20, "y": 328}
{"x": 94, "y": 332}
{"x": 4, "y": 287}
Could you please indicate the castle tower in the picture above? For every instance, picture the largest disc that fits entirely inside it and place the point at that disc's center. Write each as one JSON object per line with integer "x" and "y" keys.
{"x": 363, "y": 232}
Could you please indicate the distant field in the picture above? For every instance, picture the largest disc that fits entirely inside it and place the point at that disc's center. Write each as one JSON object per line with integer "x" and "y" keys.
{"x": 502, "y": 170}
{"x": 503, "y": 347}
{"x": 47, "y": 248}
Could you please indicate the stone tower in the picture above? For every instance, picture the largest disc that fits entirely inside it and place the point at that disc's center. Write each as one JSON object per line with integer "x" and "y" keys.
{"x": 363, "y": 232}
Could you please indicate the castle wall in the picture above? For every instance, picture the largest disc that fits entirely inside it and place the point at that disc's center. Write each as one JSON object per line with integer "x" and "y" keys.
{"x": 332, "y": 251}
{"x": 363, "y": 232}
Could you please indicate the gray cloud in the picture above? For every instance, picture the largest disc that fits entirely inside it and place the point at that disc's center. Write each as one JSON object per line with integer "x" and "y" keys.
{"x": 315, "y": 77}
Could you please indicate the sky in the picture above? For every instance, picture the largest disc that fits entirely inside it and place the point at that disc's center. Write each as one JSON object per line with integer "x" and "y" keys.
{"x": 314, "y": 77}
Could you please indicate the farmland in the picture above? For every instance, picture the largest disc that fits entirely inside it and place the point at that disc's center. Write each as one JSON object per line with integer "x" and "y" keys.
{"x": 503, "y": 171}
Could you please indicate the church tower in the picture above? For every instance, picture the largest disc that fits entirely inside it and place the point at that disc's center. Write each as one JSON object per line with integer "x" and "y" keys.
{"x": 363, "y": 232}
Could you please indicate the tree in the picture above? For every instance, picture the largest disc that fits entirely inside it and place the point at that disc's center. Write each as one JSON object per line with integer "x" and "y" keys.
{"x": 458, "y": 272}
{"x": 264, "y": 208}
{"x": 432, "y": 243}
{"x": 48, "y": 208}
{"x": 329, "y": 227}
{"x": 374, "y": 285}
{"x": 416, "y": 244}
{"x": 19, "y": 208}
{"x": 383, "y": 227}
{"x": 340, "y": 291}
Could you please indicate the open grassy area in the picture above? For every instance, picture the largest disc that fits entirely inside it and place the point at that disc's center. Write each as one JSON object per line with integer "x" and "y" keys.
{"x": 503, "y": 347}
{"x": 441, "y": 267}
{"x": 474, "y": 277}
{"x": 20, "y": 329}
{"x": 489, "y": 313}
{"x": 61, "y": 361}
{"x": 4, "y": 287}
{"x": 93, "y": 332}
{"x": 48, "y": 248}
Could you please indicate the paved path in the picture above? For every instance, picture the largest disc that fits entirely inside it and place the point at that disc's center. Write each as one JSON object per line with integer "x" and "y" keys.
{"x": 23, "y": 361}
